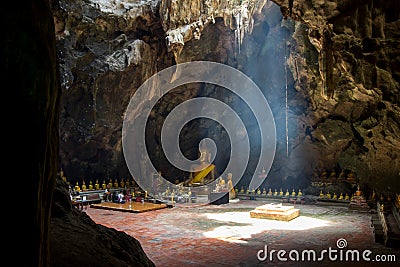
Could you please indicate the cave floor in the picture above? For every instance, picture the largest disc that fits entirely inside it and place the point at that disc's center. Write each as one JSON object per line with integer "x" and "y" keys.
{"x": 226, "y": 235}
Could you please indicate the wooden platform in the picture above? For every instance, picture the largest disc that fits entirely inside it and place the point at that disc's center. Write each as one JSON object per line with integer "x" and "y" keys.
{"x": 275, "y": 212}
{"x": 136, "y": 207}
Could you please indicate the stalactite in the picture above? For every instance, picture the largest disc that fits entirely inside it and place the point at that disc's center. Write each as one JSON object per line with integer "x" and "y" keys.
{"x": 327, "y": 50}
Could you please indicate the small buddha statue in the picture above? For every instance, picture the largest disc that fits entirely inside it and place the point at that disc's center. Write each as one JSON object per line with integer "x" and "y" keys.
{"x": 259, "y": 191}
{"x": 324, "y": 174}
{"x": 299, "y": 194}
{"x": 276, "y": 193}
{"x": 321, "y": 194}
{"x": 77, "y": 187}
{"x": 264, "y": 192}
{"x": 247, "y": 191}
{"x": 83, "y": 186}
{"x": 116, "y": 183}
{"x": 293, "y": 193}
{"x": 97, "y": 185}
{"x": 342, "y": 176}
{"x": 351, "y": 178}
{"x": 270, "y": 192}
{"x": 110, "y": 184}
{"x": 63, "y": 177}
{"x": 104, "y": 185}
{"x": 332, "y": 175}
{"x": 122, "y": 183}
{"x": 242, "y": 190}
{"x": 358, "y": 192}
{"x": 328, "y": 195}
{"x": 90, "y": 185}
{"x": 236, "y": 190}
{"x": 334, "y": 196}
{"x": 341, "y": 196}
{"x": 281, "y": 193}
{"x": 347, "y": 197}
{"x": 287, "y": 193}
{"x": 127, "y": 183}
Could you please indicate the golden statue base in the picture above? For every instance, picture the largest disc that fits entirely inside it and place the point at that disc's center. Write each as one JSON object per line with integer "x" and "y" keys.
{"x": 275, "y": 212}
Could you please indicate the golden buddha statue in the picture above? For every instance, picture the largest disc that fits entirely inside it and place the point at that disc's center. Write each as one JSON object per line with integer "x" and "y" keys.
{"x": 77, "y": 187}
{"x": 276, "y": 193}
{"x": 281, "y": 193}
{"x": 127, "y": 183}
{"x": 287, "y": 193}
{"x": 332, "y": 175}
{"x": 347, "y": 197}
{"x": 259, "y": 191}
{"x": 328, "y": 195}
{"x": 324, "y": 174}
{"x": 334, "y": 196}
{"x": 90, "y": 185}
{"x": 270, "y": 192}
{"x": 116, "y": 183}
{"x": 341, "y": 196}
{"x": 63, "y": 177}
{"x": 299, "y": 194}
{"x": 104, "y": 185}
{"x": 97, "y": 185}
{"x": 242, "y": 190}
{"x": 358, "y": 192}
{"x": 321, "y": 194}
{"x": 110, "y": 185}
{"x": 122, "y": 183}
{"x": 205, "y": 171}
{"x": 83, "y": 185}
{"x": 293, "y": 193}
{"x": 342, "y": 176}
{"x": 264, "y": 192}
{"x": 351, "y": 177}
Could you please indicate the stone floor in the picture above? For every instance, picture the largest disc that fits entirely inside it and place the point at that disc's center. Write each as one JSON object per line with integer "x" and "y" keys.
{"x": 226, "y": 235}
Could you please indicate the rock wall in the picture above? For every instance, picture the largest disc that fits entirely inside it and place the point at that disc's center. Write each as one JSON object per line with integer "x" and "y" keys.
{"x": 334, "y": 62}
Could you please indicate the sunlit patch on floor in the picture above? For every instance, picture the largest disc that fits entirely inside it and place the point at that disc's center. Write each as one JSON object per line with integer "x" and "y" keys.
{"x": 248, "y": 226}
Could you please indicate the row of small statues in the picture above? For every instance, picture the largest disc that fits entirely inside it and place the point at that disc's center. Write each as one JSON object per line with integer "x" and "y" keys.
{"x": 270, "y": 193}
{"x": 328, "y": 195}
{"x": 104, "y": 185}
{"x": 333, "y": 176}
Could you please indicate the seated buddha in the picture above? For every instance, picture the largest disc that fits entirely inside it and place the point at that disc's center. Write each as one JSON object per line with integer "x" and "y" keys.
{"x": 293, "y": 193}
{"x": 299, "y": 194}
{"x": 270, "y": 192}
{"x": 122, "y": 183}
{"x": 334, "y": 196}
{"x": 324, "y": 175}
{"x": 347, "y": 197}
{"x": 281, "y": 193}
{"x": 321, "y": 194}
{"x": 77, "y": 187}
{"x": 276, "y": 192}
{"x": 342, "y": 176}
{"x": 341, "y": 196}
{"x": 97, "y": 185}
{"x": 90, "y": 185}
{"x": 204, "y": 172}
{"x": 259, "y": 191}
{"x": 84, "y": 186}
{"x": 104, "y": 185}
{"x": 116, "y": 185}
{"x": 332, "y": 175}
{"x": 264, "y": 192}
{"x": 328, "y": 195}
{"x": 287, "y": 193}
